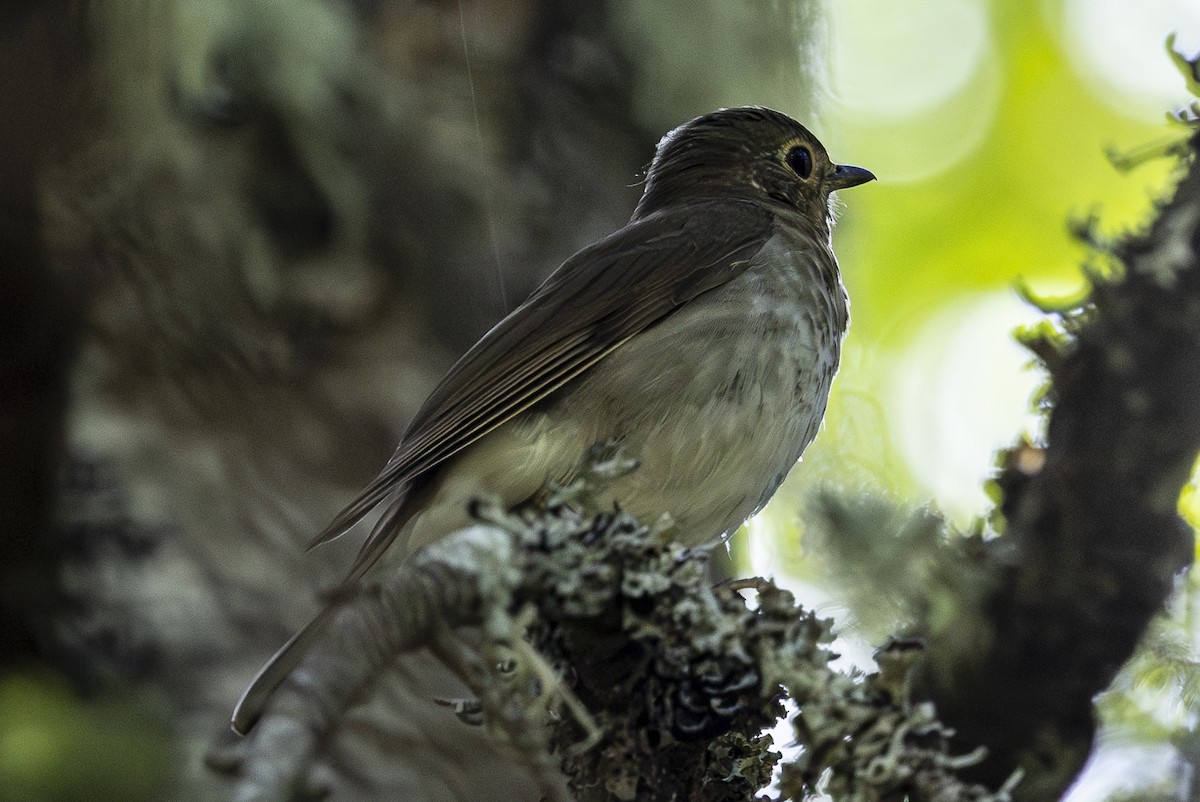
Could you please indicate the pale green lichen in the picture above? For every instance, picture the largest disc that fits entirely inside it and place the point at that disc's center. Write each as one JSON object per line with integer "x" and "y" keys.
{"x": 681, "y": 678}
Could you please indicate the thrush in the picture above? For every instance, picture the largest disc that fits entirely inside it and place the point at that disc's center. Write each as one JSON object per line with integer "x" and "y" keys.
{"x": 702, "y": 337}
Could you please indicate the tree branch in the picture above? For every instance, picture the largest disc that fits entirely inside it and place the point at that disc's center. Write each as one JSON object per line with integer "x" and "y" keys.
{"x": 644, "y": 681}
{"x": 1046, "y": 615}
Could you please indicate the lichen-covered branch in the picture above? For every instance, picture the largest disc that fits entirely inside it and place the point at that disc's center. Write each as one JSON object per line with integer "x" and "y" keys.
{"x": 1093, "y": 541}
{"x": 614, "y": 670}
{"x": 454, "y": 584}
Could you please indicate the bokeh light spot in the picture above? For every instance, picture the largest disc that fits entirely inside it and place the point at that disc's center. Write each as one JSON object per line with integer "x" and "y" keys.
{"x": 902, "y": 59}
{"x": 962, "y": 390}
{"x": 920, "y": 82}
{"x": 1117, "y": 46}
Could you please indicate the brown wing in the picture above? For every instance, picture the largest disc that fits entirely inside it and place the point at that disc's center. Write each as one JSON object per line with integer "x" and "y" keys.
{"x": 595, "y": 301}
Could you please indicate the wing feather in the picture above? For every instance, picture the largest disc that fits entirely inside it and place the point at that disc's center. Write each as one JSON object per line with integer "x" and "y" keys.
{"x": 587, "y": 308}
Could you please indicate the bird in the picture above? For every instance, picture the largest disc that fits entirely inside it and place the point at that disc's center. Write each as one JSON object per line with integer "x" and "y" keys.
{"x": 702, "y": 338}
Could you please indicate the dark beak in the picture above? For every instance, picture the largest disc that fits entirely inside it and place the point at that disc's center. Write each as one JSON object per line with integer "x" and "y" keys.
{"x": 844, "y": 176}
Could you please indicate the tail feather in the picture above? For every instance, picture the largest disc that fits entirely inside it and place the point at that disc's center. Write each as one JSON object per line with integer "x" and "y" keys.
{"x": 347, "y": 518}
{"x": 387, "y": 529}
{"x": 356, "y": 510}
{"x": 254, "y": 699}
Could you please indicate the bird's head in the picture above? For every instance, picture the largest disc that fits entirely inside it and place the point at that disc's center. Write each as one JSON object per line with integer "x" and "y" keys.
{"x": 751, "y": 153}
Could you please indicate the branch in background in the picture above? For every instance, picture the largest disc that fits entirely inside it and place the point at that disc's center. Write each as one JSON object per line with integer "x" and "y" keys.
{"x": 1093, "y": 541}
{"x": 1023, "y": 630}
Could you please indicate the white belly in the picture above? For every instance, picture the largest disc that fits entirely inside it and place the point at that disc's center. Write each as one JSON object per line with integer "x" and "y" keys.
{"x": 718, "y": 427}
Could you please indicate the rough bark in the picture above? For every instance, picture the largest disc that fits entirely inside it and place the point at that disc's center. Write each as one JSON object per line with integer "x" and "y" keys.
{"x": 1092, "y": 542}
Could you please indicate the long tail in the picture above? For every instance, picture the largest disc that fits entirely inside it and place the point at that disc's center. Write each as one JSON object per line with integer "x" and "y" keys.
{"x": 254, "y": 699}
{"x": 389, "y": 527}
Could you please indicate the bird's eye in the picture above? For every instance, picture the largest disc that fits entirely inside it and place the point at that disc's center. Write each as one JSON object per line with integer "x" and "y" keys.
{"x": 800, "y": 160}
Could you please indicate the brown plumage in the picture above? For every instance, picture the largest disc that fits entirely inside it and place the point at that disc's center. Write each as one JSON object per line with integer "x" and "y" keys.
{"x": 704, "y": 335}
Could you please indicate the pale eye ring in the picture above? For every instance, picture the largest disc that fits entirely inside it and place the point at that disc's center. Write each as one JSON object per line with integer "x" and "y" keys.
{"x": 800, "y": 160}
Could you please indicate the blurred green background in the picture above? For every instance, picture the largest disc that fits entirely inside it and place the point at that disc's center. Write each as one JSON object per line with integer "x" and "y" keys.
{"x": 988, "y": 125}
